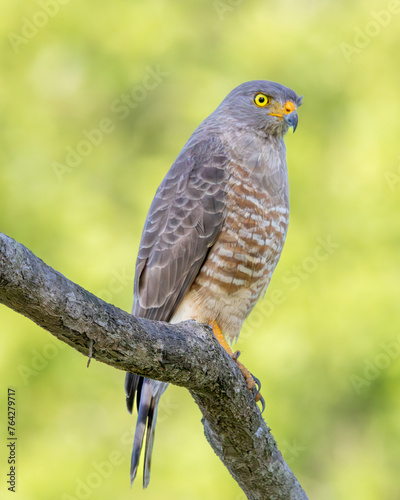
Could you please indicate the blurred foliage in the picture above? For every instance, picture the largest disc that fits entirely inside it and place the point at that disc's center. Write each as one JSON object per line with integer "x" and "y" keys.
{"x": 326, "y": 341}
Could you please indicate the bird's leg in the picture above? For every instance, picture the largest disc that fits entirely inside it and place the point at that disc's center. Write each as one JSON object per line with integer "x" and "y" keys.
{"x": 252, "y": 383}
{"x": 221, "y": 339}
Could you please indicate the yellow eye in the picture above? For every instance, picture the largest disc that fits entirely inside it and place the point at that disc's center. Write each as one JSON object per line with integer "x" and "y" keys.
{"x": 261, "y": 100}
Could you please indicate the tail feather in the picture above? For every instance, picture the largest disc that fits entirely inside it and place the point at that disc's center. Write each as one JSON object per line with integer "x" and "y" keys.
{"x": 151, "y": 427}
{"x": 133, "y": 385}
{"x": 148, "y": 393}
{"x": 144, "y": 409}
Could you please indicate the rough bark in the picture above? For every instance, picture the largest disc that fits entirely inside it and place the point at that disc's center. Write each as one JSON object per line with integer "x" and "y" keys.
{"x": 186, "y": 354}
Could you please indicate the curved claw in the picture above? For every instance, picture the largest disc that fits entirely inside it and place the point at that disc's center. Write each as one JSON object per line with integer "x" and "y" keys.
{"x": 258, "y": 383}
{"x": 262, "y": 401}
{"x": 235, "y": 355}
{"x": 257, "y": 394}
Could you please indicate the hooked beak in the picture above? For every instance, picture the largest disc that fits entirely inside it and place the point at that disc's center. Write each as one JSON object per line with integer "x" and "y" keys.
{"x": 292, "y": 120}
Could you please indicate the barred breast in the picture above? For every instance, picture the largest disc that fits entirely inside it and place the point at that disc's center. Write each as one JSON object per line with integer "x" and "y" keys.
{"x": 239, "y": 266}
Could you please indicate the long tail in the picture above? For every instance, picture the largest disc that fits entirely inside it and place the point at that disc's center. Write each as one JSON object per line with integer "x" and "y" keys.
{"x": 148, "y": 393}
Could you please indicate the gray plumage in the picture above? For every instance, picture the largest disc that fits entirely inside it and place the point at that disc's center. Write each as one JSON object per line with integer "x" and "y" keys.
{"x": 215, "y": 229}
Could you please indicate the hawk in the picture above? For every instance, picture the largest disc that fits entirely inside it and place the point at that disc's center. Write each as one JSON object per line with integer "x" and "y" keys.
{"x": 215, "y": 231}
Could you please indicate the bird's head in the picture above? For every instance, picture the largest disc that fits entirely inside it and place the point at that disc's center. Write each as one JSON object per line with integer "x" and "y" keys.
{"x": 267, "y": 107}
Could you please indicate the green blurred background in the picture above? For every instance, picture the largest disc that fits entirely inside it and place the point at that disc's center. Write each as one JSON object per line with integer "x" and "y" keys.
{"x": 325, "y": 341}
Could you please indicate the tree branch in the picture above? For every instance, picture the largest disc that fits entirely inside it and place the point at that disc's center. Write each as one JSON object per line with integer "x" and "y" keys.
{"x": 186, "y": 354}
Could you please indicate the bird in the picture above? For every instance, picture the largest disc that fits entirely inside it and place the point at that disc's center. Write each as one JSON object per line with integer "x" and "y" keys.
{"x": 214, "y": 232}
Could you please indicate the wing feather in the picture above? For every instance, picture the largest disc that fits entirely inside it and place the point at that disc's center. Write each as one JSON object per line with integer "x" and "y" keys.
{"x": 183, "y": 223}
